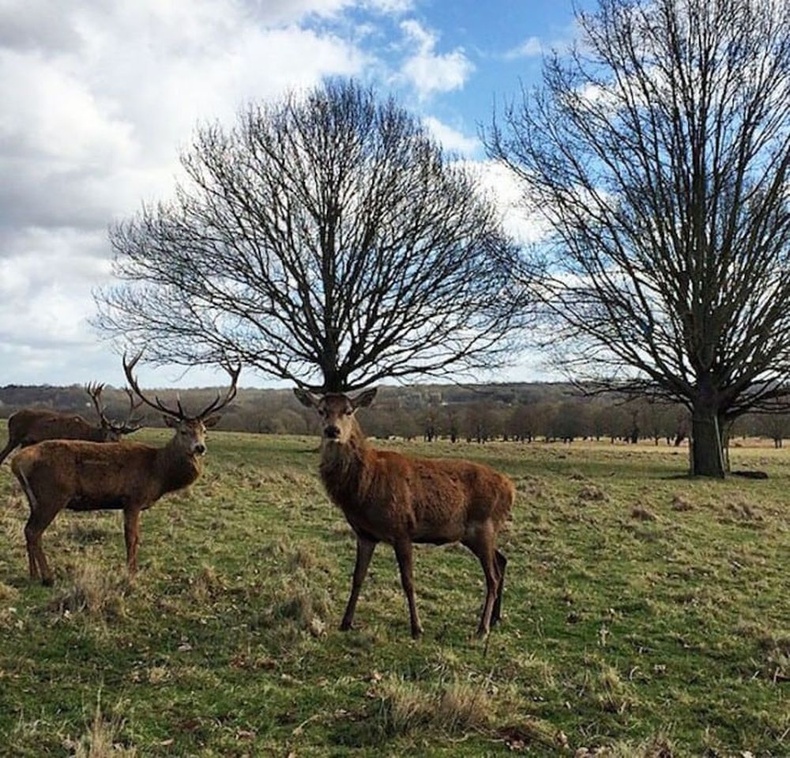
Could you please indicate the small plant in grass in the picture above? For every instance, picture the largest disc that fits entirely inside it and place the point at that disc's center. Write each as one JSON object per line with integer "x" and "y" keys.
{"x": 655, "y": 747}
{"x": 93, "y": 591}
{"x": 101, "y": 739}
{"x": 207, "y": 585}
{"x": 408, "y": 706}
{"x": 295, "y": 606}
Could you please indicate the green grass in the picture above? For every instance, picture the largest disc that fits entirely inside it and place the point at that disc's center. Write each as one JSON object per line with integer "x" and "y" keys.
{"x": 645, "y": 614}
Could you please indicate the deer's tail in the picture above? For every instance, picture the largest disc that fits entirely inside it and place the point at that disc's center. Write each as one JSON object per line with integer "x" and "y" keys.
{"x": 19, "y": 473}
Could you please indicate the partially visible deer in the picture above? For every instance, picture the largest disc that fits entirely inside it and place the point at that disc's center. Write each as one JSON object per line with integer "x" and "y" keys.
{"x": 29, "y": 426}
{"x": 127, "y": 476}
{"x": 399, "y": 499}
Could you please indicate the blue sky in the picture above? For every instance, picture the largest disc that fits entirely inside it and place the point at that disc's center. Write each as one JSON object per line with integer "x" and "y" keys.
{"x": 98, "y": 98}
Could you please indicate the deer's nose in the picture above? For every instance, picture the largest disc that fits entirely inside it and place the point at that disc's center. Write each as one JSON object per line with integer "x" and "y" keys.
{"x": 199, "y": 448}
{"x": 331, "y": 432}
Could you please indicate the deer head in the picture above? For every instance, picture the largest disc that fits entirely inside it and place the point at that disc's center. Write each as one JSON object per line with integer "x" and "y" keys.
{"x": 190, "y": 430}
{"x": 336, "y": 410}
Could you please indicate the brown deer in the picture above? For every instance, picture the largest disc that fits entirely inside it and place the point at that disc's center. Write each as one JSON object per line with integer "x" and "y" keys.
{"x": 399, "y": 499}
{"x": 127, "y": 476}
{"x": 29, "y": 426}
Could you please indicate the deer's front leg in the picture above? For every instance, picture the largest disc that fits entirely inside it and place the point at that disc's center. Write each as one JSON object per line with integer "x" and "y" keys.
{"x": 365, "y": 548}
{"x": 131, "y": 533}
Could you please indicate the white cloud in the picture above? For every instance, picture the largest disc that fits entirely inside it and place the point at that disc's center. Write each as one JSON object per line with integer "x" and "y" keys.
{"x": 428, "y": 71}
{"x": 99, "y": 98}
{"x": 532, "y": 47}
{"x": 450, "y": 138}
{"x": 523, "y": 224}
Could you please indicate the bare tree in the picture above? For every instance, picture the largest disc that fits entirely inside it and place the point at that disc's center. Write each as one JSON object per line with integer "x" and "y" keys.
{"x": 658, "y": 152}
{"x": 325, "y": 240}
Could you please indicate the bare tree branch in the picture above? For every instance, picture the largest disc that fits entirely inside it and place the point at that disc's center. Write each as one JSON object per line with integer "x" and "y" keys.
{"x": 324, "y": 240}
{"x": 659, "y": 151}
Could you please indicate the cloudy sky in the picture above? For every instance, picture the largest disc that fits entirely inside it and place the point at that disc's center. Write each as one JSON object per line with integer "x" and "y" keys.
{"x": 97, "y": 98}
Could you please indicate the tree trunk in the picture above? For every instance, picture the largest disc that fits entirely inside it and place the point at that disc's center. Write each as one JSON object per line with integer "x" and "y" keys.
{"x": 707, "y": 455}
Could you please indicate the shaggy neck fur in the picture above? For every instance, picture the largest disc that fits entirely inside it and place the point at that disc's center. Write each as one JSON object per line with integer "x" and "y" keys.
{"x": 177, "y": 468}
{"x": 342, "y": 466}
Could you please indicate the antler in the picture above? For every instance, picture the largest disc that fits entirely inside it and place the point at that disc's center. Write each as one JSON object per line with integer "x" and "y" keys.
{"x": 156, "y": 403}
{"x": 216, "y": 405}
{"x": 131, "y": 424}
{"x": 94, "y": 389}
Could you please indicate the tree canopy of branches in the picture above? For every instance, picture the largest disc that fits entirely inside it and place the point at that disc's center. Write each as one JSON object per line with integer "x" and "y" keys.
{"x": 658, "y": 152}
{"x": 326, "y": 240}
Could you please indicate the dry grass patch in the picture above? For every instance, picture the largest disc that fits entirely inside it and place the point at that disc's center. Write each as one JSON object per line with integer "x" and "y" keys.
{"x": 655, "y": 747}
{"x": 591, "y": 493}
{"x": 207, "y": 585}
{"x": 296, "y": 606}
{"x": 410, "y": 706}
{"x": 773, "y": 649}
{"x": 602, "y": 685}
{"x": 681, "y": 503}
{"x": 641, "y": 513}
{"x": 101, "y": 739}
{"x": 93, "y": 591}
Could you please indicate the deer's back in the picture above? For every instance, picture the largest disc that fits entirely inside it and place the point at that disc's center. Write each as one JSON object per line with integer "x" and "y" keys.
{"x": 431, "y": 500}
{"x": 31, "y": 425}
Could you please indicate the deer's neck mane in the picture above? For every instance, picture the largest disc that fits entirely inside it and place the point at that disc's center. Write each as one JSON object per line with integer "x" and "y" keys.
{"x": 346, "y": 468}
{"x": 176, "y": 468}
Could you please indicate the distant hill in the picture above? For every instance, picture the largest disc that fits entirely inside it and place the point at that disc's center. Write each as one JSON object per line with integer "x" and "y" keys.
{"x": 415, "y": 398}
{"x": 410, "y": 397}
{"x": 520, "y": 411}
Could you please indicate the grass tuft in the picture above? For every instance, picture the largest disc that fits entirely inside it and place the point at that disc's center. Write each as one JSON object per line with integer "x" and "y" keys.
{"x": 409, "y": 706}
{"x": 93, "y": 591}
{"x": 655, "y": 747}
{"x": 101, "y": 739}
{"x": 591, "y": 493}
{"x": 680, "y": 503}
{"x": 640, "y": 513}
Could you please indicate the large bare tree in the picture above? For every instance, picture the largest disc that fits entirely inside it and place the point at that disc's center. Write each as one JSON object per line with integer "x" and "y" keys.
{"x": 326, "y": 240}
{"x": 658, "y": 152}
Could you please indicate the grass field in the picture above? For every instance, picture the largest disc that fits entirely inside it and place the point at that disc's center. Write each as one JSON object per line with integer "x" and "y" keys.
{"x": 645, "y": 614}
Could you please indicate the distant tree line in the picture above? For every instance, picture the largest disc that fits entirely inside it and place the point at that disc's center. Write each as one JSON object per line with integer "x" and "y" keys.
{"x": 522, "y": 413}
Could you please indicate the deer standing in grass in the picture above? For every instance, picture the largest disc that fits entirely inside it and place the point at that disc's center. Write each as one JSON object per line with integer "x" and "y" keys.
{"x": 29, "y": 426}
{"x": 399, "y": 499}
{"x": 127, "y": 476}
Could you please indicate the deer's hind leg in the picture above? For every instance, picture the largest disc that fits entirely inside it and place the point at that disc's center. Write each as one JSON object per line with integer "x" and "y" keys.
{"x": 501, "y": 562}
{"x": 41, "y": 515}
{"x": 37, "y": 561}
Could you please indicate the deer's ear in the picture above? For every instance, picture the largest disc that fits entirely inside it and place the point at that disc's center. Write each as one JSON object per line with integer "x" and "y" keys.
{"x": 364, "y": 399}
{"x": 211, "y": 421}
{"x": 170, "y": 421}
{"x": 306, "y": 397}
